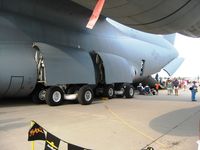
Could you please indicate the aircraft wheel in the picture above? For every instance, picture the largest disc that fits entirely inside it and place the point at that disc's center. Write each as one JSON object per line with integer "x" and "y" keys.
{"x": 85, "y": 95}
{"x": 54, "y": 96}
{"x": 109, "y": 91}
{"x": 129, "y": 91}
{"x": 39, "y": 94}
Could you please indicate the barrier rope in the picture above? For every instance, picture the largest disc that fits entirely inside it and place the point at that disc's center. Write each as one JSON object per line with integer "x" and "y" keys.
{"x": 153, "y": 140}
{"x": 132, "y": 127}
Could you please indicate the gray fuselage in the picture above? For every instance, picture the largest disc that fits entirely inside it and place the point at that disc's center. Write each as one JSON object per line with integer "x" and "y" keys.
{"x": 23, "y": 22}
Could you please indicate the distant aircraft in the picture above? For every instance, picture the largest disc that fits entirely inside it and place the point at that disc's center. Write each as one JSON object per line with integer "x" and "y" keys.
{"x": 46, "y": 51}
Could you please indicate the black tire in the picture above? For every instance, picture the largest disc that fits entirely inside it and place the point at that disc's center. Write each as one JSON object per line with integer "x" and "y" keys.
{"x": 54, "y": 96}
{"x": 85, "y": 95}
{"x": 109, "y": 91}
{"x": 129, "y": 91}
{"x": 38, "y": 95}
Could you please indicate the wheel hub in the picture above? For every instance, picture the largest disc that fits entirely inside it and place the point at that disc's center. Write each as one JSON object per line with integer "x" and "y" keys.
{"x": 88, "y": 96}
{"x": 131, "y": 91}
{"x": 110, "y": 92}
{"x": 42, "y": 95}
{"x": 56, "y": 96}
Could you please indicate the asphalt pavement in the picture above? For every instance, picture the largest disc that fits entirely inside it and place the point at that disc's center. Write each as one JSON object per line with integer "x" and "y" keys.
{"x": 164, "y": 122}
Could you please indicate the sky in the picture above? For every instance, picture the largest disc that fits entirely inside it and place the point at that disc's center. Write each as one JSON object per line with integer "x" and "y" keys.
{"x": 189, "y": 49}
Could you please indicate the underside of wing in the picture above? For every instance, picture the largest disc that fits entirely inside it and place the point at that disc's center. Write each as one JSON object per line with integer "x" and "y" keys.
{"x": 154, "y": 16}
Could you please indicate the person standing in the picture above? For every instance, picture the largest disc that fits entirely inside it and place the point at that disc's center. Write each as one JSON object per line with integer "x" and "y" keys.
{"x": 156, "y": 77}
{"x": 169, "y": 87}
{"x": 176, "y": 86}
{"x": 185, "y": 84}
{"x": 157, "y": 86}
{"x": 193, "y": 90}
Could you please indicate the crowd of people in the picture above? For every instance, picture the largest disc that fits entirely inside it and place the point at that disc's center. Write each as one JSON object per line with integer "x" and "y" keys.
{"x": 175, "y": 84}
{"x": 172, "y": 85}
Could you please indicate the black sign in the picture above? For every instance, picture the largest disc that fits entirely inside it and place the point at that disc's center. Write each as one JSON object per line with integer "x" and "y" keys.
{"x": 36, "y": 133}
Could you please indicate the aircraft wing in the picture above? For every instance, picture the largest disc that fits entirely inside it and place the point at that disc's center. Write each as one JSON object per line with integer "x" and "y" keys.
{"x": 154, "y": 16}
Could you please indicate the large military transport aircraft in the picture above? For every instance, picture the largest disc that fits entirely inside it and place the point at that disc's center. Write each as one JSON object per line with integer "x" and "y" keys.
{"x": 47, "y": 51}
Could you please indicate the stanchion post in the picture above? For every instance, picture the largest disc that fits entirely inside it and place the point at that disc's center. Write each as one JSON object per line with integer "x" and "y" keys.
{"x": 32, "y": 142}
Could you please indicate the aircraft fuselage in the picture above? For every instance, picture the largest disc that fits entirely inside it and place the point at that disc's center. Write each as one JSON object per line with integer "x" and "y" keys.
{"x": 62, "y": 23}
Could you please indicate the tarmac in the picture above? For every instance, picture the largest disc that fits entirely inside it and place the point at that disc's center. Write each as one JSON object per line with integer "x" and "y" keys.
{"x": 164, "y": 122}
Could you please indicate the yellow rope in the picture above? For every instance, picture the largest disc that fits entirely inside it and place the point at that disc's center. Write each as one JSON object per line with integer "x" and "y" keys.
{"x": 131, "y": 126}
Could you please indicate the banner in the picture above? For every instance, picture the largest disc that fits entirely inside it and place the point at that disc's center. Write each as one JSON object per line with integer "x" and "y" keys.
{"x": 74, "y": 147}
{"x": 148, "y": 148}
{"x": 52, "y": 142}
{"x": 36, "y": 132}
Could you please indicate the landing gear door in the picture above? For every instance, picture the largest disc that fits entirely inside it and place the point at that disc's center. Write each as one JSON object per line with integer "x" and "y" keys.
{"x": 117, "y": 69}
{"x": 65, "y": 65}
